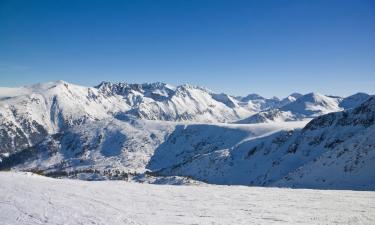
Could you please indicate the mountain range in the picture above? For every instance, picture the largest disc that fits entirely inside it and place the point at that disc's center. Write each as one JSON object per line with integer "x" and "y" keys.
{"x": 160, "y": 133}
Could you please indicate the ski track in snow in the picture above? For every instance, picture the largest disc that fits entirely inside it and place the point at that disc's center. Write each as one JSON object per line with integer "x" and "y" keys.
{"x": 31, "y": 199}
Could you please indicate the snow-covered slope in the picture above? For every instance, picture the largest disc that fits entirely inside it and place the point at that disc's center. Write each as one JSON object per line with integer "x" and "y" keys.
{"x": 108, "y": 144}
{"x": 336, "y": 150}
{"x": 90, "y": 150}
{"x": 31, "y": 199}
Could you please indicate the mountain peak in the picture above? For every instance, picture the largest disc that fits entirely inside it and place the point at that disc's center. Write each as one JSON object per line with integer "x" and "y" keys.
{"x": 314, "y": 95}
{"x": 252, "y": 96}
{"x": 296, "y": 95}
{"x": 313, "y": 104}
{"x": 354, "y": 100}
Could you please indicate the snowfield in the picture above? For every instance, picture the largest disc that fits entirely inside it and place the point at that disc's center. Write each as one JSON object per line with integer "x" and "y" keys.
{"x": 31, "y": 199}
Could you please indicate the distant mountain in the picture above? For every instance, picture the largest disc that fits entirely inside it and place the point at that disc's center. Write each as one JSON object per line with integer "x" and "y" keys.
{"x": 306, "y": 107}
{"x": 291, "y": 98}
{"x": 158, "y": 101}
{"x": 271, "y": 115}
{"x": 354, "y": 100}
{"x": 313, "y": 104}
{"x": 256, "y": 103}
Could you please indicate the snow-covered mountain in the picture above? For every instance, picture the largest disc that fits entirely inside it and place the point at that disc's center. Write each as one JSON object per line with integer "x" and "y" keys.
{"x": 299, "y": 107}
{"x": 159, "y": 101}
{"x": 160, "y": 133}
{"x": 354, "y": 100}
{"x": 31, "y": 113}
{"x": 312, "y": 105}
{"x": 256, "y": 103}
{"x": 336, "y": 150}
{"x": 28, "y": 114}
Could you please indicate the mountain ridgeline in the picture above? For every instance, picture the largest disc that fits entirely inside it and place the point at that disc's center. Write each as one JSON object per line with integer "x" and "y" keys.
{"x": 160, "y": 133}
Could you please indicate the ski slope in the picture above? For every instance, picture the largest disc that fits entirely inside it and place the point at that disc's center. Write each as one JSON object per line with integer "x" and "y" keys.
{"x": 31, "y": 199}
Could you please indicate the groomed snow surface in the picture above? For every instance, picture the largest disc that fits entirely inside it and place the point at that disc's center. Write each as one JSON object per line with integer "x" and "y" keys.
{"x": 31, "y": 199}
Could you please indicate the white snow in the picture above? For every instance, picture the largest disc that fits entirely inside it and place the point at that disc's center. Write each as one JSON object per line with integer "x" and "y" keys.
{"x": 31, "y": 199}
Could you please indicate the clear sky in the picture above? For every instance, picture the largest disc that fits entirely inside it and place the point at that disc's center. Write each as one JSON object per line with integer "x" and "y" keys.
{"x": 270, "y": 47}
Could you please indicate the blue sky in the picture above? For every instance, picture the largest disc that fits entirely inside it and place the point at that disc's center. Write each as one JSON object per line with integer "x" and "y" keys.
{"x": 270, "y": 47}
